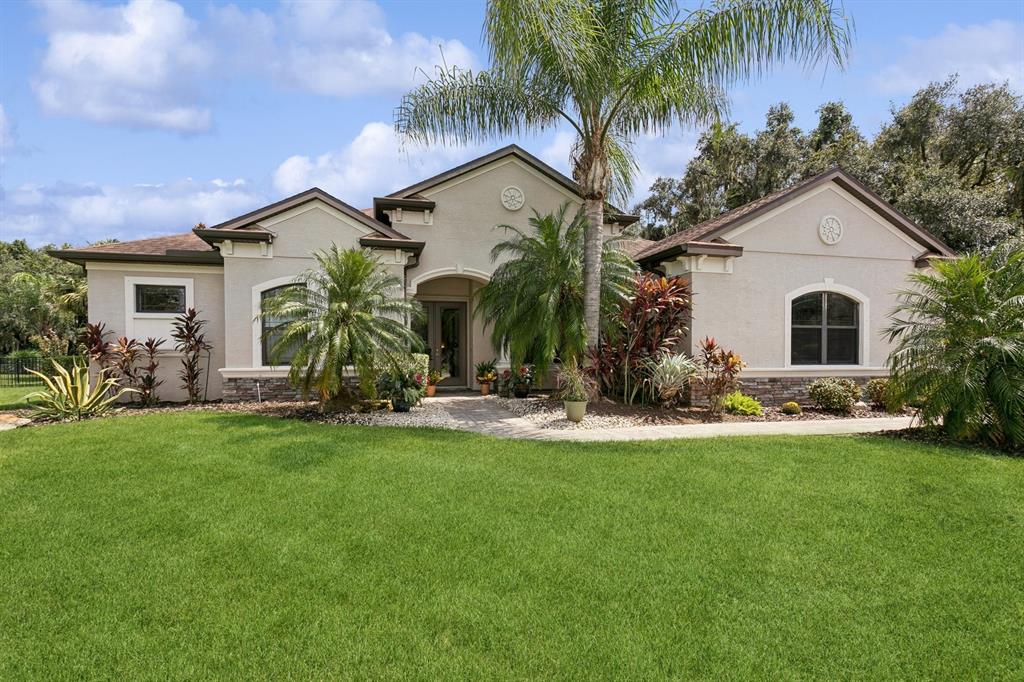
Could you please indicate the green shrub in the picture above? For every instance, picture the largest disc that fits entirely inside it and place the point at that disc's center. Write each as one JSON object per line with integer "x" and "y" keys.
{"x": 70, "y": 394}
{"x": 959, "y": 346}
{"x": 791, "y": 408}
{"x": 834, "y": 393}
{"x": 737, "y": 403}
{"x": 877, "y": 392}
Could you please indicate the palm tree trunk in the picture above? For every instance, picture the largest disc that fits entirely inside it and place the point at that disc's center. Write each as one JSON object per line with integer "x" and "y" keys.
{"x": 592, "y": 242}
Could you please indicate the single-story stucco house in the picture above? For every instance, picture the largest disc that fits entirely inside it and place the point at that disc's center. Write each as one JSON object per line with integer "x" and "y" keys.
{"x": 800, "y": 282}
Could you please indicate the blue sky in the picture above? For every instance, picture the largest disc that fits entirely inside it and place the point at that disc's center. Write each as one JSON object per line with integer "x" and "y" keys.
{"x": 129, "y": 119}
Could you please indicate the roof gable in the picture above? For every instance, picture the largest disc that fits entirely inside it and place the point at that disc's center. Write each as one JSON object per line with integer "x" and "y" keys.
{"x": 249, "y": 220}
{"x": 714, "y": 228}
{"x": 512, "y": 150}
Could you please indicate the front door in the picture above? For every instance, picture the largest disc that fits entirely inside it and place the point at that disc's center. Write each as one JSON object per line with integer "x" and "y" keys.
{"x": 444, "y": 331}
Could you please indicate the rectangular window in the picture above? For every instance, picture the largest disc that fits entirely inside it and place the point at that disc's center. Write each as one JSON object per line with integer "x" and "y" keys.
{"x": 159, "y": 298}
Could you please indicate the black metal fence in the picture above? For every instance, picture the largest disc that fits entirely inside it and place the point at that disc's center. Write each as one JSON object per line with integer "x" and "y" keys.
{"x": 14, "y": 371}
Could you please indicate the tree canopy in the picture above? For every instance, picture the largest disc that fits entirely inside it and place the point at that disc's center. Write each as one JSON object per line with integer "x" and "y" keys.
{"x": 951, "y": 160}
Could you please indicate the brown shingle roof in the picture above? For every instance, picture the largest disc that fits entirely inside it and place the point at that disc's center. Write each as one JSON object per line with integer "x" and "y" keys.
{"x": 185, "y": 247}
{"x": 631, "y": 247}
{"x": 710, "y": 229}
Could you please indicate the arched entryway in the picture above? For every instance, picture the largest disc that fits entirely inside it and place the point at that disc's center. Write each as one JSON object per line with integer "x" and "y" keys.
{"x": 454, "y": 339}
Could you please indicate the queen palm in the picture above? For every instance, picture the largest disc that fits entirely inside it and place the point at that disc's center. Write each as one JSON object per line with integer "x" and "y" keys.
{"x": 534, "y": 300}
{"x": 347, "y": 311}
{"x": 611, "y": 70}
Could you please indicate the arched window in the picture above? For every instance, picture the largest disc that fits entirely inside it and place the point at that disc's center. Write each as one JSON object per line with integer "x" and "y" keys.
{"x": 271, "y": 333}
{"x": 825, "y": 329}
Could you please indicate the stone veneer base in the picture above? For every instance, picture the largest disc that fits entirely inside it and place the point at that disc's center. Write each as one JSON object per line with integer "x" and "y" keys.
{"x": 778, "y": 390}
{"x": 250, "y": 389}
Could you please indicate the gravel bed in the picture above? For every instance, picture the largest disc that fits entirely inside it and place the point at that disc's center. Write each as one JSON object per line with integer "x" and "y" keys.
{"x": 550, "y": 414}
{"x": 429, "y": 415}
{"x": 546, "y": 413}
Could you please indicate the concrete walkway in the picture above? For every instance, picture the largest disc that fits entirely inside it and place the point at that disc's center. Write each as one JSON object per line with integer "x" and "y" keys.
{"x": 485, "y": 416}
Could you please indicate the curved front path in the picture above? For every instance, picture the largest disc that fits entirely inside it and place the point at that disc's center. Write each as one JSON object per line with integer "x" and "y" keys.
{"x": 485, "y": 416}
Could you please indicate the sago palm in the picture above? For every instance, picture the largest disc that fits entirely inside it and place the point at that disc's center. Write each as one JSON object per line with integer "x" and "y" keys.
{"x": 611, "y": 70}
{"x": 960, "y": 346}
{"x": 347, "y": 311}
{"x": 534, "y": 301}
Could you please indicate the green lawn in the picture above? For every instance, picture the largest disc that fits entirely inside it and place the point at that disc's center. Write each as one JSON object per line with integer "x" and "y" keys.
{"x": 210, "y": 545}
{"x": 13, "y": 398}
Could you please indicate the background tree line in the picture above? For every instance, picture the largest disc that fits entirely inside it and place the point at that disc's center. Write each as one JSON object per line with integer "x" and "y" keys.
{"x": 42, "y": 301}
{"x": 952, "y": 160}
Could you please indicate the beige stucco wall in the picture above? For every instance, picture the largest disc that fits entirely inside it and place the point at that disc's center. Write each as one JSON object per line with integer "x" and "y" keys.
{"x": 247, "y": 270}
{"x": 746, "y": 310}
{"x": 107, "y": 304}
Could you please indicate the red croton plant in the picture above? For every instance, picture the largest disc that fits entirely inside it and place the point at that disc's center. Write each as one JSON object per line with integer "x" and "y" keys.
{"x": 653, "y": 321}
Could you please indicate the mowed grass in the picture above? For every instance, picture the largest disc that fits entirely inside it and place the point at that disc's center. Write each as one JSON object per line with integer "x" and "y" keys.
{"x": 206, "y": 545}
{"x": 13, "y": 397}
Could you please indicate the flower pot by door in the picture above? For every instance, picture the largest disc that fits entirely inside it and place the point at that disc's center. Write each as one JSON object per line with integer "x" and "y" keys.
{"x": 431, "y": 390}
{"x": 485, "y": 388}
{"x": 520, "y": 391}
{"x": 575, "y": 411}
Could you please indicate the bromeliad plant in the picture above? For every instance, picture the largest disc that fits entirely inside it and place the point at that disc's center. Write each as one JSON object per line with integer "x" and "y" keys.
{"x": 649, "y": 325}
{"x": 71, "y": 394}
{"x": 486, "y": 371}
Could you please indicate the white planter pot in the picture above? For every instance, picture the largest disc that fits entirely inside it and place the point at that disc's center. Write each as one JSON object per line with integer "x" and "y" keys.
{"x": 574, "y": 411}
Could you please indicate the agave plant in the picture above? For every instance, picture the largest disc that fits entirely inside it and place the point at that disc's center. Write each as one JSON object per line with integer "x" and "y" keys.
{"x": 72, "y": 395}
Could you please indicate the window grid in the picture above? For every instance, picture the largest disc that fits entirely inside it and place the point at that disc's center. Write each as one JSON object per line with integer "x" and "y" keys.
{"x": 825, "y": 326}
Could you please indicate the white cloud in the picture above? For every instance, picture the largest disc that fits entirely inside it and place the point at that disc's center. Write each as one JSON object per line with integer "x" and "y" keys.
{"x": 979, "y": 53}
{"x": 81, "y": 213}
{"x": 332, "y": 47}
{"x": 371, "y": 165}
{"x": 135, "y": 64}
{"x": 145, "y": 63}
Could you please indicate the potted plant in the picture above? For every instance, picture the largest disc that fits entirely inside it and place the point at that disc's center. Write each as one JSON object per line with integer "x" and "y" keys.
{"x": 486, "y": 374}
{"x": 403, "y": 389}
{"x": 576, "y": 390}
{"x": 522, "y": 379}
{"x": 433, "y": 376}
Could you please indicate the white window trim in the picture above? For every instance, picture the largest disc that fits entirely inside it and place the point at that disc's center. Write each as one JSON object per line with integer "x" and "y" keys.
{"x": 129, "y": 299}
{"x": 863, "y": 349}
{"x": 257, "y": 325}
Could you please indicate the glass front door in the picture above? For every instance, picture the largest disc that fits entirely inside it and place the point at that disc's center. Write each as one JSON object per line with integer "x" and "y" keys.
{"x": 443, "y": 329}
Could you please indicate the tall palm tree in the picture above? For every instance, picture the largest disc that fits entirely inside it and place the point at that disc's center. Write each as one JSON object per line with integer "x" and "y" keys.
{"x": 347, "y": 311}
{"x": 613, "y": 69}
{"x": 960, "y": 345}
{"x": 534, "y": 300}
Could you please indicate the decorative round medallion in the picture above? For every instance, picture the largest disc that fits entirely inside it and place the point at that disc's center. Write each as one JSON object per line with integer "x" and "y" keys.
{"x": 830, "y": 230}
{"x": 512, "y": 198}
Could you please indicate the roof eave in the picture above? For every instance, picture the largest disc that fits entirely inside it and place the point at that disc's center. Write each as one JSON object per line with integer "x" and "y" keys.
{"x": 181, "y": 257}
{"x": 410, "y": 245}
{"x": 693, "y": 248}
{"x": 211, "y": 236}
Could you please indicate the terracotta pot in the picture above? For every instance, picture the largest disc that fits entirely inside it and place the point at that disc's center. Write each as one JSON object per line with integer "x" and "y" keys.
{"x": 485, "y": 388}
{"x": 574, "y": 411}
{"x": 431, "y": 390}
